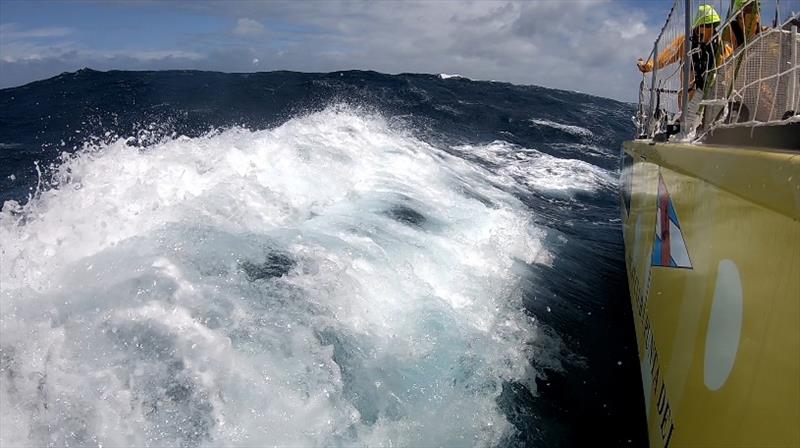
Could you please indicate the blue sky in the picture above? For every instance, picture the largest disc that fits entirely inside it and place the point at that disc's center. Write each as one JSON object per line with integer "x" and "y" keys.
{"x": 584, "y": 46}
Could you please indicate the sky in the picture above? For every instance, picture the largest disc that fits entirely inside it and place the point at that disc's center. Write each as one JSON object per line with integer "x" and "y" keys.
{"x": 586, "y": 46}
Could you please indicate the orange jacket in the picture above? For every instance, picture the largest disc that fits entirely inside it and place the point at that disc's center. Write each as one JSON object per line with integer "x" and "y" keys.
{"x": 674, "y": 52}
{"x": 751, "y": 26}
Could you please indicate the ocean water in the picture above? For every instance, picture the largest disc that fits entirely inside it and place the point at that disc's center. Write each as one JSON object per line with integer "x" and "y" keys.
{"x": 286, "y": 259}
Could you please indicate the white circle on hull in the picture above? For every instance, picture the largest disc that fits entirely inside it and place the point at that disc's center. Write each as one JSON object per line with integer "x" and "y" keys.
{"x": 724, "y": 326}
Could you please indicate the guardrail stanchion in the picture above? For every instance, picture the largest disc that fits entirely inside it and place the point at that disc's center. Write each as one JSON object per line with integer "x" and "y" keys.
{"x": 687, "y": 19}
{"x": 794, "y": 95}
{"x": 653, "y": 74}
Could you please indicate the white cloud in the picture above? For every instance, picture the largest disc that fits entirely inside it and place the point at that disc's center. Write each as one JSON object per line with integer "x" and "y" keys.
{"x": 631, "y": 28}
{"x": 154, "y": 55}
{"x": 12, "y": 31}
{"x": 590, "y": 47}
{"x": 27, "y": 51}
{"x": 21, "y": 45}
{"x": 248, "y": 27}
{"x": 18, "y": 43}
{"x": 33, "y": 51}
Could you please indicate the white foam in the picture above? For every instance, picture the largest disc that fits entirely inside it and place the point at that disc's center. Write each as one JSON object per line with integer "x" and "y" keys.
{"x": 447, "y": 76}
{"x": 540, "y": 171}
{"x": 575, "y": 130}
{"x": 138, "y": 307}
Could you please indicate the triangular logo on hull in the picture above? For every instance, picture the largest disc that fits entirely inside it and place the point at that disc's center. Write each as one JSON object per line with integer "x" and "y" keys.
{"x": 669, "y": 247}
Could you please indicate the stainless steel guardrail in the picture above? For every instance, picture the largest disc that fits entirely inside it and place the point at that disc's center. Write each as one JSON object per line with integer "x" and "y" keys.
{"x": 723, "y": 63}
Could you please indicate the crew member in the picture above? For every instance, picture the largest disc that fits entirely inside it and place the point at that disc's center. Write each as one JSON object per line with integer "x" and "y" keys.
{"x": 707, "y": 50}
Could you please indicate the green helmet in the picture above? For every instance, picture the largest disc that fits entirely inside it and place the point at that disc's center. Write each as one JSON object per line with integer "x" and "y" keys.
{"x": 706, "y": 15}
{"x": 739, "y": 4}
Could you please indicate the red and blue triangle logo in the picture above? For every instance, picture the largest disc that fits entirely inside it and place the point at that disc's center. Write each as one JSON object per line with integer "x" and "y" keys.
{"x": 669, "y": 247}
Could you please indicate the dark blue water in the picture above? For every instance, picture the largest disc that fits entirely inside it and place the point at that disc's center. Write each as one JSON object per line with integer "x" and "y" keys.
{"x": 505, "y": 155}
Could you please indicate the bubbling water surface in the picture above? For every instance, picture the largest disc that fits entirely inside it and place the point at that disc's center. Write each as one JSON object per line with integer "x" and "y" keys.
{"x": 333, "y": 281}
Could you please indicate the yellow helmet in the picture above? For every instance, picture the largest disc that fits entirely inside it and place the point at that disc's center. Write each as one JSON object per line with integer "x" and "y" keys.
{"x": 739, "y": 4}
{"x": 706, "y": 15}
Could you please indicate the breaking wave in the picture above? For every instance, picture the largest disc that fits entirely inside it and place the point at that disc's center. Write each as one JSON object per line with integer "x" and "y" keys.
{"x": 537, "y": 171}
{"x": 570, "y": 129}
{"x": 332, "y": 281}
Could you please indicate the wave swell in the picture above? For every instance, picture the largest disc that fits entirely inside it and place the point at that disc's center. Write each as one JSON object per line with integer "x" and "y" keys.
{"x": 332, "y": 281}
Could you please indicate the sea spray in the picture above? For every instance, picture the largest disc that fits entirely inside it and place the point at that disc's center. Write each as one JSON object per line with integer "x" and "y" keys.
{"x": 331, "y": 281}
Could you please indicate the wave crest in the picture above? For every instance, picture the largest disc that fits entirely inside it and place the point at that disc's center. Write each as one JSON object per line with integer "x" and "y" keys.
{"x": 330, "y": 281}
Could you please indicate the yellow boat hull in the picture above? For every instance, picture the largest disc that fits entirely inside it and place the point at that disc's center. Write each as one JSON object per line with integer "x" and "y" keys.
{"x": 712, "y": 241}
